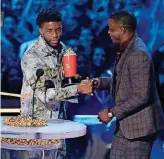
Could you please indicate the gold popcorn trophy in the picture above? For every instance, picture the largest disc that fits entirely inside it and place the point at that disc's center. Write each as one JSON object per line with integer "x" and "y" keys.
{"x": 70, "y": 68}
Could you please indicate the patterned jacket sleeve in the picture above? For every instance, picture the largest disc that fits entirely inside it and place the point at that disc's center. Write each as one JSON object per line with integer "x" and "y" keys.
{"x": 141, "y": 74}
{"x": 30, "y": 63}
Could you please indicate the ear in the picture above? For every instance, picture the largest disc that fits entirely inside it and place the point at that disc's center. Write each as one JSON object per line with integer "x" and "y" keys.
{"x": 123, "y": 30}
{"x": 40, "y": 31}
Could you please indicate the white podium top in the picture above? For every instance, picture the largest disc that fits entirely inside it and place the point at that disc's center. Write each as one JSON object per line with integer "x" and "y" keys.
{"x": 56, "y": 129}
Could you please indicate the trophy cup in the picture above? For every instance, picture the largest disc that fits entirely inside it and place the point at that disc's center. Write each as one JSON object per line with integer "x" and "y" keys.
{"x": 69, "y": 66}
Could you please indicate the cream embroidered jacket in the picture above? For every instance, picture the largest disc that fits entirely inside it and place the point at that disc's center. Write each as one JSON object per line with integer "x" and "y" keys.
{"x": 41, "y": 55}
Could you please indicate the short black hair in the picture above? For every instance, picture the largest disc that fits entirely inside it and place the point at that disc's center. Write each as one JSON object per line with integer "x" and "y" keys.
{"x": 126, "y": 19}
{"x": 48, "y": 15}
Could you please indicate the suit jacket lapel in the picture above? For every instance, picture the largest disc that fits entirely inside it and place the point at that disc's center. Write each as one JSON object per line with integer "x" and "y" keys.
{"x": 119, "y": 66}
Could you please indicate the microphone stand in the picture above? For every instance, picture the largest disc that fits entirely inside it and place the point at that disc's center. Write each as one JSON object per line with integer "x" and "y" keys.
{"x": 48, "y": 84}
{"x": 39, "y": 73}
{"x": 33, "y": 98}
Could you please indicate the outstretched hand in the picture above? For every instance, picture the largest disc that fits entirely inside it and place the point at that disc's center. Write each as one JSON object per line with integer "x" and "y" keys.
{"x": 85, "y": 87}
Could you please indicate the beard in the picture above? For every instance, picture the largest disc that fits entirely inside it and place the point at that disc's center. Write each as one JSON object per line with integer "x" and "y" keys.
{"x": 51, "y": 44}
{"x": 47, "y": 41}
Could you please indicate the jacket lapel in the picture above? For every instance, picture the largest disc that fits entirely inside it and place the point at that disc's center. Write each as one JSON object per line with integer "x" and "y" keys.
{"x": 119, "y": 66}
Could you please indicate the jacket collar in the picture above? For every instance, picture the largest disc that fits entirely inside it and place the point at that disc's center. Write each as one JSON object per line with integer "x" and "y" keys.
{"x": 48, "y": 50}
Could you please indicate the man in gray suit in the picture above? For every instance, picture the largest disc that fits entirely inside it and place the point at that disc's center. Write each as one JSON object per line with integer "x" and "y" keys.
{"x": 137, "y": 106}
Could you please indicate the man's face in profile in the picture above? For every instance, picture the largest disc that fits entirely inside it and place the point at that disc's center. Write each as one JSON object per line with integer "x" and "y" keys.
{"x": 114, "y": 30}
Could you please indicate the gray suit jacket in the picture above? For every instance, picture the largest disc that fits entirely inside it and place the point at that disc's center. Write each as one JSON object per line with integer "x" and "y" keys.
{"x": 137, "y": 106}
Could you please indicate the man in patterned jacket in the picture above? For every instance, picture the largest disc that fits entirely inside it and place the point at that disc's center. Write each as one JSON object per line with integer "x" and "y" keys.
{"x": 137, "y": 107}
{"x": 46, "y": 54}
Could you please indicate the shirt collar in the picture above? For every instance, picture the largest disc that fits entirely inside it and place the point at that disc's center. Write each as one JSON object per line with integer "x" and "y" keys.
{"x": 125, "y": 44}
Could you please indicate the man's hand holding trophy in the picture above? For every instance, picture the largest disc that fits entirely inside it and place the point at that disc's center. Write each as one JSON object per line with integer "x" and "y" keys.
{"x": 70, "y": 73}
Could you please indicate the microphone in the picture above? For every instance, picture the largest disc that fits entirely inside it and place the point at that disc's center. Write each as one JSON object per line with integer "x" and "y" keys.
{"x": 49, "y": 84}
{"x": 39, "y": 73}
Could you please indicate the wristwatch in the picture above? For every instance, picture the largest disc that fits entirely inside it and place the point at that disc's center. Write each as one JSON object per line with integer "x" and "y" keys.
{"x": 110, "y": 115}
{"x": 95, "y": 82}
